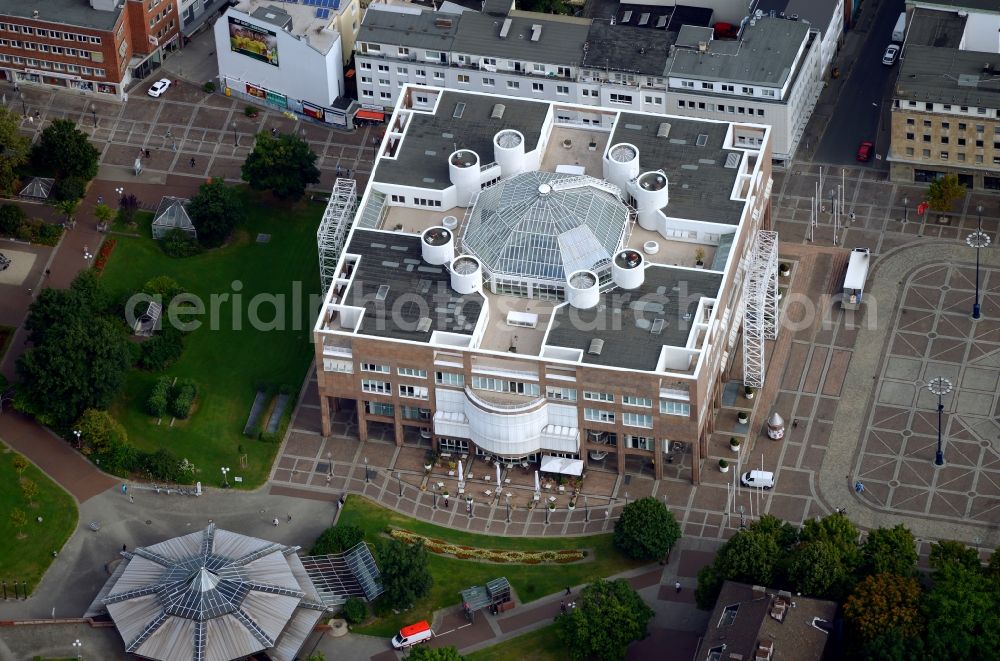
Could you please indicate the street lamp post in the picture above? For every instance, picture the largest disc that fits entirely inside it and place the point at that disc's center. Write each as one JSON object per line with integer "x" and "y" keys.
{"x": 586, "y": 509}
{"x": 906, "y": 209}
{"x": 434, "y": 490}
{"x": 236, "y": 139}
{"x": 940, "y": 386}
{"x": 93, "y": 113}
{"x": 508, "y": 507}
{"x": 399, "y": 478}
{"x": 978, "y": 239}
{"x": 78, "y": 646}
{"x": 24, "y": 107}
{"x": 77, "y": 433}
{"x": 225, "y": 478}
{"x": 367, "y": 478}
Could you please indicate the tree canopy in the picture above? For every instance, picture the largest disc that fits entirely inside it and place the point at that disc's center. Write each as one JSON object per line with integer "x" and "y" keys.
{"x": 943, "y": 191}
{"x": 283, "y": 164}
{"x": 14, "y": 149}
{"x": 337, "y": 539}
{"x": 961, "y": 612}
{"x": 215, "y": 212}
{"x": 885, "y": 603}
{"x": 80, "y": 356}
{"x": 405, "y": 575}
{"x": 608, "y": 616}
{"x": 65, "y": 151}
{"x": 646, "y": 530}
{"x": 892, "y": 550}
{"x": 949, "y": 552}
{"x": 424, "y": 653}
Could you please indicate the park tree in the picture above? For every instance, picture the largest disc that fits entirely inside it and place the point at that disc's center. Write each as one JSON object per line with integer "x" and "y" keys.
{"x": 961, "y": 612}
{"x": 892, "y": 550}
{"x": 283, "y": 164}
{"x": 19, "y": 463}
{"x": 817, "y": 569}
{"x": 405, "y": 575}
{"x": 949, "y": 552}
{"x": 337, "y": 539}
{"x": 14, "y": 149}
{"x": 68, "y": 208}
{"x": 943, "y": 191}
{"x": 104, "y": 213}
{"x": 65, "y": 151}
{"x": 102, "y": 437}
{"x": 993, "y": 569}
{"x": 18, "y": 518}
{"x": 29, "y": 488}
{"x": 646, "y": 530}
{"x": 82, "y": 364}
{"x": 608, "y": 616}
{"x": 215, "y": 211}
{"x": 753, "y": 555}
{"x": 882, "y": 612}
{"x": 424, "y": 653}
{"x": 84, "y": 298}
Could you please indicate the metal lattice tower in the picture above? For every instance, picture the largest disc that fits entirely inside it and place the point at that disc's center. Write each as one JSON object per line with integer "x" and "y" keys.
{"x": 333, "y": 228}
{"x": 760, "y": 305}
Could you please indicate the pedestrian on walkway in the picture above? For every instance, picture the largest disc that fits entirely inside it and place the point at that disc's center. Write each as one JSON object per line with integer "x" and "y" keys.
{"x": 677, "y": 587}
{"x": 192, "y": 161}
{"x": 289, "y": 518}
{"x": 275, "y": 522}
{"x": 100, "y": 199}
{"x": 124, "y": 548}
{"x": 131, "y": 498}
{"x": 562, "y": 606}
{"x": 147, "y": 153}
{"x": 568, "y": 591}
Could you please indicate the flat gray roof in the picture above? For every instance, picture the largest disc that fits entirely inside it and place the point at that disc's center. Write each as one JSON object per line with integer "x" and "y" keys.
{"x": 76, "y": 13}
{"x": 946, "y": 75}
{"x": 930, "y": 27}
{"x": 764, "y": 56}
{"x": 816, "y": 13}
{"x": 627, "y": 48}
{"x": 625, "y": 319}
{"x": 560, "y": 42}
{"x": 413, "y": 289}
{"x": 423, "y": 30}
{"x": 422, "y": 158}
{"x": 987, "y": 6}
{"x": 698, "y": 181}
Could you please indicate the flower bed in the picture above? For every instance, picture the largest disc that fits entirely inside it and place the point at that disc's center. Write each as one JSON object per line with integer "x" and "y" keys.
{"x": 510, "y": 557}
{"x": 103, "y": 254}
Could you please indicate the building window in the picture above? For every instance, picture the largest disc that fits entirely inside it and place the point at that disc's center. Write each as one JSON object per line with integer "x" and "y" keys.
{"x": 748, "y": 90}
{"x": 728, "y": 88}
{"x": 632, "y": 400}
{"x": 625, "y": 99}
{"x": 380, "y": 408}
{"x": 374, "y": 367}
{"x": 944, "y": 156}
{"x": 960, "y": 156}
{"x": 402, "y": 71}
{"x": 366, "y": 65}
{"x": 926, "y": 153}
{"x": 637, "y": 420}
{"x": 537, "y": 87}
{"x": 488, "y": 82}
{"x": 384, "y": 82}
{"x": 909, "y": 151}
{"x": 597, "y": 415}
{"x": 926, "y": 138}
{"x": 562, "y": 89}
{"x": 420, "y": 73}
{"x": 438, "y": 75}
{"x": 463, "y": 78}
{"x": 639, "y": 442}
{"x": 403, "y": 51}
{"x": 449, "y": 379}
{"x": 380, "y": 387}
{"x": 411, "y": 371}
{"x": 670, "y": 407}
{"x": 944, "y": 139}
{"x": 414, "y": 392}
{"x": 593, "y": 396}
{"x": 687, "y": 83}
{"x": 513, "y": 84}
{"x": 561, "y": 394}
{"x": 385, "y": 95}
{"x": 502, "y": 385}
{"x": 767, "y": 92}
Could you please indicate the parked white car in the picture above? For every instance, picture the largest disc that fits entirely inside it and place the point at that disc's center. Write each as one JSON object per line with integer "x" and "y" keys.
{"x": 891, "y": 53}
{"x": 159, "y": 87}
{"x": 757, "y": 479}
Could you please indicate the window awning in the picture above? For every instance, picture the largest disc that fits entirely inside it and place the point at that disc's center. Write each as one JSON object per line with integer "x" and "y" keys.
{"x": 561, "y": 465}
{"x": 373, "y": 115}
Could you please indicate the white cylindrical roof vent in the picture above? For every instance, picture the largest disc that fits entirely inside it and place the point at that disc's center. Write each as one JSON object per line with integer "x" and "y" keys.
{"x": 621, "y": 165}
{"x": 628, "y": 269}
{"x": 463, "y": 169}
{"x": 437, "y": 245}
{"x": 449, "y": 222}
{"x": 582, "y": 290}
{"x": 650, "y": 191}
{"x": 508, "y": 152}
{"x": 466, "y": 274}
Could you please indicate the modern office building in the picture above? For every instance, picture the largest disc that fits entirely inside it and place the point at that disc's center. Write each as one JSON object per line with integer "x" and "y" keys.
{"x": 671, "y": 62}
{"x": 527, "y": 278}
{"x": 289, "y": 55}
{"x": 946, "y": 101}
{"x": 96, "y": 47}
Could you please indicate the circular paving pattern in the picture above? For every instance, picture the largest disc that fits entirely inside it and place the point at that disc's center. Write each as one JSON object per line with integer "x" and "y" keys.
{"x": 933, "y": 335}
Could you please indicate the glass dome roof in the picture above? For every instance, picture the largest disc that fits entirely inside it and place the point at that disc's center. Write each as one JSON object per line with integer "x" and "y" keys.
{"x": 544, "y": 225}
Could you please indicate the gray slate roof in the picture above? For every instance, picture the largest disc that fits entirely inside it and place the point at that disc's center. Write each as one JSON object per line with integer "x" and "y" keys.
{"x": 945, "y": 75}
{"x": 561, "y": 40}
{"x": 817, "y": 13}
{"x": 626, "y": 48}
{"x": 76, "y": 13}
{"x": 413, "y": 30}
{"x": 764, "y": 56}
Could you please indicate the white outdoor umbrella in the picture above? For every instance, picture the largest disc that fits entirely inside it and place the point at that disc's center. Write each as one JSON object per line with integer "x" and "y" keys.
{"x": 498, "y": 475}
{"x": 538, "y": 485}
{"x": 460, "y": 477}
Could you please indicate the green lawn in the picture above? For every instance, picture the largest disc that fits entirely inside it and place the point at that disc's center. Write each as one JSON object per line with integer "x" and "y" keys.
{"x": 539, "y": 645}
{"x": 27, "y": 559}
{"x": 227, "y": 361}
{"x": 452, "y": 575}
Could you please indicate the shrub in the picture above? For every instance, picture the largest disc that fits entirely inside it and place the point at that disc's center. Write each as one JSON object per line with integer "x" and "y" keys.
{"x": 11, "y": 219}
{"x": 183, "y": 396}
{"x": 177, "y": 244}
{"x": 208, "y": 87}
{"x": 250, "y": 111}
{"x": 162, "y": 350}
{"x": 355, "y": 611}
{"x": 156, "y": 405}
{"x": 160, "y": 465}
{"x": 269, "y": 437}
{"x": 163, "y": 286}
{"x": 337, "y": 539}
{"x": 70, "y": 188}
{"x": 127, "y": 206}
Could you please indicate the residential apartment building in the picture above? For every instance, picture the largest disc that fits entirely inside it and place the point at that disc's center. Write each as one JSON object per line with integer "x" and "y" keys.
{"x": 288, "y": 55}
{"x": 518, "y": 283}
{"x": 771, "y": 74}
{"x": 946, "y": 101}
{"x": 96, "y": 47}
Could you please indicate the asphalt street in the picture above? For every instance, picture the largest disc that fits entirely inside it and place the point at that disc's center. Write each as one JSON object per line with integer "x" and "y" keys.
{"x": 864, "y": 97}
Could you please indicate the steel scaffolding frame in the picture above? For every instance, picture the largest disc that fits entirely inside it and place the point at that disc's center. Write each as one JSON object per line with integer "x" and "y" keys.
{"x": 333, "y": 228}
{"x": 760, "y": 305}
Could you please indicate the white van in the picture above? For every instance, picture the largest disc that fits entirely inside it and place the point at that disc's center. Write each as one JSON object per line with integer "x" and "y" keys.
{"x": 758, "y": 479}
{"x": 412, "y": 634}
